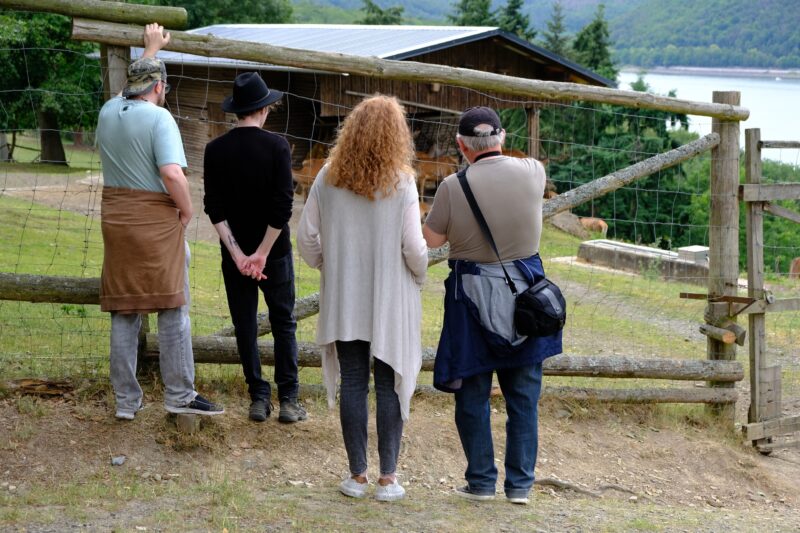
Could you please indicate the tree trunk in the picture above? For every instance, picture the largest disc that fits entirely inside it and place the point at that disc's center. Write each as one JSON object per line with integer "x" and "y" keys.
{"x": 4, "y": 151}
{"x": 52, "y": 147}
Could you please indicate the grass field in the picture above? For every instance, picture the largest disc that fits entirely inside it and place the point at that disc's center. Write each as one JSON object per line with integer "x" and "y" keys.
{"x": 609, "y": 313}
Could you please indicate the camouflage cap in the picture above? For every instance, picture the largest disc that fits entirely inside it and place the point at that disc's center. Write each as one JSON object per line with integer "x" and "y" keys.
{"x": 143, "y": 74}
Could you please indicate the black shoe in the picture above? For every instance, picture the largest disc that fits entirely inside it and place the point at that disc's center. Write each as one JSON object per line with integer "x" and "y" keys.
{"x": 198, "y": 406}
{"x": 260, "y": 410}
{"x": 291, "y": 411}
{"x": 469, "y": 494}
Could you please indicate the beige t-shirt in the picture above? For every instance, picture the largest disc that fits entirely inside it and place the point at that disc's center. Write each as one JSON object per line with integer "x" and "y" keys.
{"x": 509, "y": 193}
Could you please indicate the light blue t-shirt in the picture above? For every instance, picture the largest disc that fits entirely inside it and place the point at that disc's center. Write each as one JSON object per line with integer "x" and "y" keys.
{"x": 136, "y": 137}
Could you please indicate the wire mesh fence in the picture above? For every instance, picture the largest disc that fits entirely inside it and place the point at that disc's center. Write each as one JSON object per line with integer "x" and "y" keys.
{"x": 50, "y": 218}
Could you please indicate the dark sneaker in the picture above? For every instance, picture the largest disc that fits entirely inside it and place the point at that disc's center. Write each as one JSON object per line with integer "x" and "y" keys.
{"x": 291, "y": 411}
{"x": 469, "y": 494}
{"x": 198, "y": 406}
{"x": 260, "y": 410}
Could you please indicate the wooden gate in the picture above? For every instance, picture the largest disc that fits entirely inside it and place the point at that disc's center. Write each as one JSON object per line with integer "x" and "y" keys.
{"x": 766, "y": 428}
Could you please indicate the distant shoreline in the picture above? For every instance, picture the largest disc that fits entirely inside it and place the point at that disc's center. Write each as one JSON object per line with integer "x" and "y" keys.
{"x": 718, "y": 71}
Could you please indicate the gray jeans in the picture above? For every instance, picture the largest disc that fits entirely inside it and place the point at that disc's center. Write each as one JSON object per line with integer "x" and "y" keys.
{"x": 176, "y": 358}
{"x": 353, "y": 412}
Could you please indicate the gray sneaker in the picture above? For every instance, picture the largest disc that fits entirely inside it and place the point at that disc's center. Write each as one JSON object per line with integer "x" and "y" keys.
{"x": 260, "y": 410}
{"x": 291, "y": 411}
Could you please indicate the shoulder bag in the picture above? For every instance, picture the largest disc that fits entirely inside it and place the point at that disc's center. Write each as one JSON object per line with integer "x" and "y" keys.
{"x": 539, "y": 311}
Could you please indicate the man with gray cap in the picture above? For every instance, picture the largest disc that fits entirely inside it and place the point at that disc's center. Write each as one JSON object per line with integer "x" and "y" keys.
{"x": 145, "y": 209}
{"x": 248, "y": 198}
{"x": 478, "y": 336}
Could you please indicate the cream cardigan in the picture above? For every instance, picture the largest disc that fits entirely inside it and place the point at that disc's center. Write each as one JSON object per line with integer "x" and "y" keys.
{"x": 373, "y": 260}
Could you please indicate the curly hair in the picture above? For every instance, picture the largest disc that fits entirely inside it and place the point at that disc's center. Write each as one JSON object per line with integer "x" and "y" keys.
{"x": 373, "y": 148}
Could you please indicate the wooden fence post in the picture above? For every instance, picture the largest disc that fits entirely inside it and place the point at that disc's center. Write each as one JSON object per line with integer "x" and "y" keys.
{"x": 764, "y": 376}
{"x": 114, "y": 64}
{"x": 723, "y": 238}
{"x": 533, "y": 131}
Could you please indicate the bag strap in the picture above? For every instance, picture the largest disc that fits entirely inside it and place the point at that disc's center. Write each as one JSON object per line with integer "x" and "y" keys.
{"x": 473, "y": 204}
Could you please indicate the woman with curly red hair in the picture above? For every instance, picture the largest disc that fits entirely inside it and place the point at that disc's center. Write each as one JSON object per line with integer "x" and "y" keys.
{"x": 361, "y": 228}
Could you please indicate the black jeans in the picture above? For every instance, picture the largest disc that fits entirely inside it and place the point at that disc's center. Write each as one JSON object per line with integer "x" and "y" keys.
{"x": 278, "y": 291}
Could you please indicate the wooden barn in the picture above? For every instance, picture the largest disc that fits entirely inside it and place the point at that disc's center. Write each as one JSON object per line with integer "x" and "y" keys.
{"x": 316, "y": 101}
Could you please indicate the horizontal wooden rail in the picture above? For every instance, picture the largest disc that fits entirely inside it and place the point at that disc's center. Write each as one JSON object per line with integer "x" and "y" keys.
{"x": 169, "y": 17}
{"x": 779, "y": 144}
{"x": 611, "y": 182}
{"x": 639, "y": 396}
{"x": 49, "y": 289}
{"x": 771, "y": 191}
{"x": 211, "y": 46}
{"x": 222, "y": 350}
{"x": 771, "y": 428}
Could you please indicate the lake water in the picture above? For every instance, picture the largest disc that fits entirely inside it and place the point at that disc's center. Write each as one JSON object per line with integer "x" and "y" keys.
{"x": 774, "y": 104}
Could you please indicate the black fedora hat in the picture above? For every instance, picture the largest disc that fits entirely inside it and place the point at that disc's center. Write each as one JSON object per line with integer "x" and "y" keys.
{"x": 250, "y": 93}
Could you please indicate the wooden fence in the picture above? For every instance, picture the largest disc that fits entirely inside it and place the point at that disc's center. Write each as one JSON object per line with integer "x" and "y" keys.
{"x": 122, "y": 30}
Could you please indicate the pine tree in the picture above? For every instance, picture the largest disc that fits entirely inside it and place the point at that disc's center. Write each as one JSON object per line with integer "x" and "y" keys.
{"x": 511, "y": 19}
{"x": 472, "y": 13}
{"x": 555, "y": 37}
{"x": 592, "y": 46}
{"x": 373, "y": 14}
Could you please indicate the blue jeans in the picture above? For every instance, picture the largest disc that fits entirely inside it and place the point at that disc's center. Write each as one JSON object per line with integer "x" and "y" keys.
{"x": 354, "y": 360}
{"x": 278, "y": 290}
{"x": 521, "y": 387}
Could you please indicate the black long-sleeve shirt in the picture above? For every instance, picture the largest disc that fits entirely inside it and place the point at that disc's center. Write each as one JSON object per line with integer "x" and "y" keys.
{"x": 248, "y": 182}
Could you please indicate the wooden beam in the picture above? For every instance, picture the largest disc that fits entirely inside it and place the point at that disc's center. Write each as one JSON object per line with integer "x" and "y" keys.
{"x": 771, "y": 428}
{"x": 780, "y": 144}
{"x": 600, "y": 186}
{"x": 49, "y": 289}
{"x": 782, "y": 212}
{"x": 303, "y": 308}
{"x": 169, "y": 17}
{"x": 639, "y": 396}
{"x": 720, "y": 334}
{"x": 762, "y": 306}
{"x": 222, "y": 350}
{"x": 772, "y": 191}
{"x": 211, "y": 46}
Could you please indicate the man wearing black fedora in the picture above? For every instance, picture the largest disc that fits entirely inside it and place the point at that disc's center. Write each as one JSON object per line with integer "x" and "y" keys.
{"x": 248, "y": 197}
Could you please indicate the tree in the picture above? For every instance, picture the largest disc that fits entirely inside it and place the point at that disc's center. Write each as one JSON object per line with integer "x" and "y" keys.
{"x": 208, "y": 12}
{"x": 373, "y": 14}
{"x": 592, "y": 46}
{"x": 47, "y": 81}
{"x": 472, "y": 13}
{"x": 511, "y": 19}
{"x": 555, "y": 37}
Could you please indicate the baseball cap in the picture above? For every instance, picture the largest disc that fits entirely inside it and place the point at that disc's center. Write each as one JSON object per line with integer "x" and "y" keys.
{"x": 143, "y": 74}
{"x": 474, "y": 117}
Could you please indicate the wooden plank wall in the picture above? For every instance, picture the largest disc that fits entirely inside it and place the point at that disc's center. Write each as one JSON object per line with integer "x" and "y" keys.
{"x": 488, "y": 56}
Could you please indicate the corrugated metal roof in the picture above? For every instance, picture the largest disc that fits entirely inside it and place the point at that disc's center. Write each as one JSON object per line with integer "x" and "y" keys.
{"x": 386, "y": 42}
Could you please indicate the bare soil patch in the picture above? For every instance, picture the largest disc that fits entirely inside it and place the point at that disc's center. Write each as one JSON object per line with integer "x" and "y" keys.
{"x": 652, "y": 471}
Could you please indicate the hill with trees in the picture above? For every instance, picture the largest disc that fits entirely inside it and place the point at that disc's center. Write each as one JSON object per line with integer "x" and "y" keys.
{"x": 709, "y": 33}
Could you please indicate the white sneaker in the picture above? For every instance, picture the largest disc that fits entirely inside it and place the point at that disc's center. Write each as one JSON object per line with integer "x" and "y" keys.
{"x": 389, "y": 493}
{"x": 354, "y": 489}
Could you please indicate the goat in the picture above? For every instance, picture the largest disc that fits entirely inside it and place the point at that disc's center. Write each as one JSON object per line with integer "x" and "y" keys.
{"x": 596, "y": 225}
